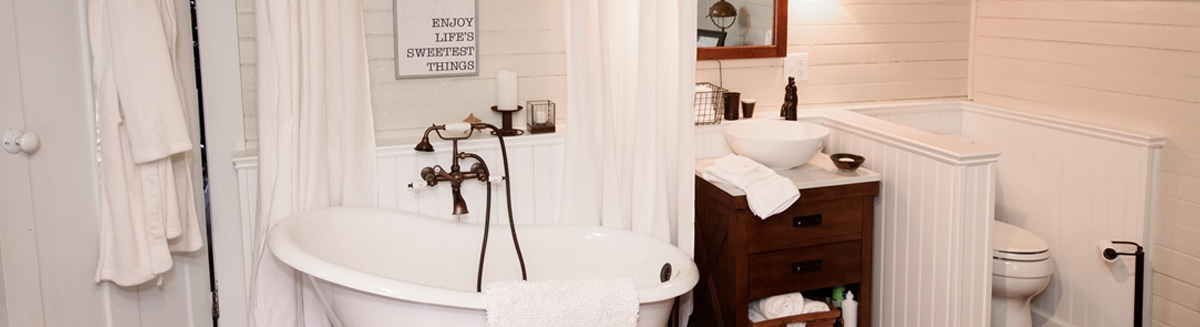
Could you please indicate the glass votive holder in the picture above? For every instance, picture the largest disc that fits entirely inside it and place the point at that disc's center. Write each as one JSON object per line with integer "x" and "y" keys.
{"x": 540, "y": 116}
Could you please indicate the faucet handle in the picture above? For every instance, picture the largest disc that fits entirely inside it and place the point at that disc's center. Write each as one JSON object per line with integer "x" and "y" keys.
{"x": 481, "y": 172}
{"x": 429, "y": 175}
{"x": 419, "y": 185}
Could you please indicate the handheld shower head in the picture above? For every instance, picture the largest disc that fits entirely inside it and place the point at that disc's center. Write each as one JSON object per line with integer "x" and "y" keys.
{"x": 424, "y": 145}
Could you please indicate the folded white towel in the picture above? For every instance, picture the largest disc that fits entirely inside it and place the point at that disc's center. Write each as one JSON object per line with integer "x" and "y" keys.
{"x": 769, "y": 196}
{"x": 601, "y": 302}
{"x": 767, "y": 193}
{"x": 737, "y": 165}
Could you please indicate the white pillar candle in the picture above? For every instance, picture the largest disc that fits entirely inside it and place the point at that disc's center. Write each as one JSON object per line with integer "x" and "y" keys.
{"x": 540, "y": 117}
{"x": 506, "y": 90}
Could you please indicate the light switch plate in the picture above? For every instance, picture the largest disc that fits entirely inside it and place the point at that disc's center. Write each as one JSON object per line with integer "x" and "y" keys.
{"x": 796, "y": 65}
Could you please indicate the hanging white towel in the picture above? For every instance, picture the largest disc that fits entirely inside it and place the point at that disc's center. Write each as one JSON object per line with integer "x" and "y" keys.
{"x": 600, "y": 302}
{"x": 147, "y": 205}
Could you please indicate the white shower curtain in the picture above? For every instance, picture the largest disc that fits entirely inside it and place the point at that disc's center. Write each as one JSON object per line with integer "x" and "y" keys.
{"x": 316, "y": 136}
{"x": 631, "y": 69}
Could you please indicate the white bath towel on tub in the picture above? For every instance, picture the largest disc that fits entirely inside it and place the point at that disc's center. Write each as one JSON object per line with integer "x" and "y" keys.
{"x": 600, "y": 302}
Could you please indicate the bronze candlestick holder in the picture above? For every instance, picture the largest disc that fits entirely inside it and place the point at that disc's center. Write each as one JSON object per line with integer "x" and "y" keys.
{"x": 506, "y": 124}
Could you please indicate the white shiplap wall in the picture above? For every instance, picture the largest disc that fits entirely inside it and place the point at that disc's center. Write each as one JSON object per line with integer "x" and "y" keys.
{"x": 1124, "y": 63}
{"x": 525, "y": 36}
{"x": 860, "y": 51}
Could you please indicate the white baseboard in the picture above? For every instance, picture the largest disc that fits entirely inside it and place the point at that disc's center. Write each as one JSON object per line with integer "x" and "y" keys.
{"x": 1045, "y": 319}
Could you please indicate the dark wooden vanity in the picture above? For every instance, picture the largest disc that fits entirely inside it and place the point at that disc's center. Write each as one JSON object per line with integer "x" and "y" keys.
{"x": 821, "y": 241}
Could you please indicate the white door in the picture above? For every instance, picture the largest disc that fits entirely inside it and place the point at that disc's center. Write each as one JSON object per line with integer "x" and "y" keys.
{"x": 49, "y": 198}
{"x": 16, "y": 204}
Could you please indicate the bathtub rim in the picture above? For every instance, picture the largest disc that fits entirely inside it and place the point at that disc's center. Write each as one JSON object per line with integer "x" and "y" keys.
{"x": 285, "y": 248}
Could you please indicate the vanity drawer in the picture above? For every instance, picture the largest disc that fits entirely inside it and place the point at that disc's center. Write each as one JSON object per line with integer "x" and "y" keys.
{"x": 805, "y": 268}
{"x": 804, "y": 223}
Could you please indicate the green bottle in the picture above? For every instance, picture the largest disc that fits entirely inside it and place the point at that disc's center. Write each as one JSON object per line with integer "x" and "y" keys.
{"x": 838, "y": 294}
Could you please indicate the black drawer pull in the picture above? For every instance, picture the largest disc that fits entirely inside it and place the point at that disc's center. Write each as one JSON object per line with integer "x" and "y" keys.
{"x": 806, "y": 266}
{"x": 805, "y": 221}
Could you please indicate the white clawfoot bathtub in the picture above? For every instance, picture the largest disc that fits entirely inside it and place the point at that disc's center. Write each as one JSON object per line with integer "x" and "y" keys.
{"x": 379, "y": 267}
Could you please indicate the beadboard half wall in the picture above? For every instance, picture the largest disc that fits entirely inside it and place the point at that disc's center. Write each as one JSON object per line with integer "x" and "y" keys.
{"x": 535, "y": 163}
{"x": 1070, "y": 183}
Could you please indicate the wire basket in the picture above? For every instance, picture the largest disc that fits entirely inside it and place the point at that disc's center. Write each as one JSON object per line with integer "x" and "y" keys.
{"x": 709, "y": 104}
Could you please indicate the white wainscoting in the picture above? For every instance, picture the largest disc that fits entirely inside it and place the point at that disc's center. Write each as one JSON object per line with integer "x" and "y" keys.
{"x": 1070, "y": 183}
{"x": 943, "y": 118}
{"x": 932, "y": 263}
{"x": 1074, "y": 184}
{"x": 535, "y": 162}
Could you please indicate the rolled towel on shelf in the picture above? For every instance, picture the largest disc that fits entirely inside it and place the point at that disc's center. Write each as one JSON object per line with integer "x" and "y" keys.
{"x": 767, "y": 193}
{"x": 811, "y": 306}
{"x": 784, "y": 305}
{"x": 754, "y": 315}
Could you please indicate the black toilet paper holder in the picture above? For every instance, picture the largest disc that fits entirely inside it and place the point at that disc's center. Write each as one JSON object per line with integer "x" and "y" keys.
{"x": 1139, "y": 261}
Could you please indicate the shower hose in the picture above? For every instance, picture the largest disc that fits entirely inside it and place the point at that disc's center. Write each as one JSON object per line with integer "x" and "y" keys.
{"x": 487, "y": 221}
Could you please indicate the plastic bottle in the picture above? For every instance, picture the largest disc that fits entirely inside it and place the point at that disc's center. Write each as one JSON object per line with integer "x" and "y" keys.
{"x": 850, "y": 310}
{"x": 839, "y": 293}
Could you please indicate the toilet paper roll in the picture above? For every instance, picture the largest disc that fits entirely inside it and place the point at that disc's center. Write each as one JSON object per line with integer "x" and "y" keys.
{"x": 1107, "y": 252}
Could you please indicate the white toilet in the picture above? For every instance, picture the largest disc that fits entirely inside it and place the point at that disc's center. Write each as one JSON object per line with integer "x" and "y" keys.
{"x": 1021, "y": 268}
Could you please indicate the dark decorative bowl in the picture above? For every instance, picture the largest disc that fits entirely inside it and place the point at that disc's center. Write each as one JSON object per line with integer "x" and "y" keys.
{"x": 846, "y": 162}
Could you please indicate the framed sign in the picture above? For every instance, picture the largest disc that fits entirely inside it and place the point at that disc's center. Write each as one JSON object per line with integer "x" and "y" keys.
{"x": 436, "y": 38}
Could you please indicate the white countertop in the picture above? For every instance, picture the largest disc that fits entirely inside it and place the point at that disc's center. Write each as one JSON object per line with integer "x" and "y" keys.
{"x": 818, "y": 172}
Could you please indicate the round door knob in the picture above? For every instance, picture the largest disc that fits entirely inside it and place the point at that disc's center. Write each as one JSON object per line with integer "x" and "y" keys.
{"x": 17, "y": 141}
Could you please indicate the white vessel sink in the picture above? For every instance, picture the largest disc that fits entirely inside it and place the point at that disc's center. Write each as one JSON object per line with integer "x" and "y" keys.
{"x": 777, "y": 144}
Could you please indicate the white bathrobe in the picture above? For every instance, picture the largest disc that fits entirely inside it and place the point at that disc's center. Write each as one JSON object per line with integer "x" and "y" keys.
{"x": 147, "y": 206}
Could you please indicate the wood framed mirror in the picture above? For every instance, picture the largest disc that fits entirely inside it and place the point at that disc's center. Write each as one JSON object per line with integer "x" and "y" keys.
{"x": 758, "y": 30}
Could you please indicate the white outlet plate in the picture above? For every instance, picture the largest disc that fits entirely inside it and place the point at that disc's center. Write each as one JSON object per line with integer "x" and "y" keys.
{"x": 796, "y": 65}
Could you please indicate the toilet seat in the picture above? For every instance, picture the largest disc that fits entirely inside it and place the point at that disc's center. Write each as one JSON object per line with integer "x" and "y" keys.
{"x": 1012, "y": 243}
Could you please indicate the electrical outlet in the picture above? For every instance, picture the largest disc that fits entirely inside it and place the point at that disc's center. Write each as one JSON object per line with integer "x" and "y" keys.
{"x": 796, "y": 65}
